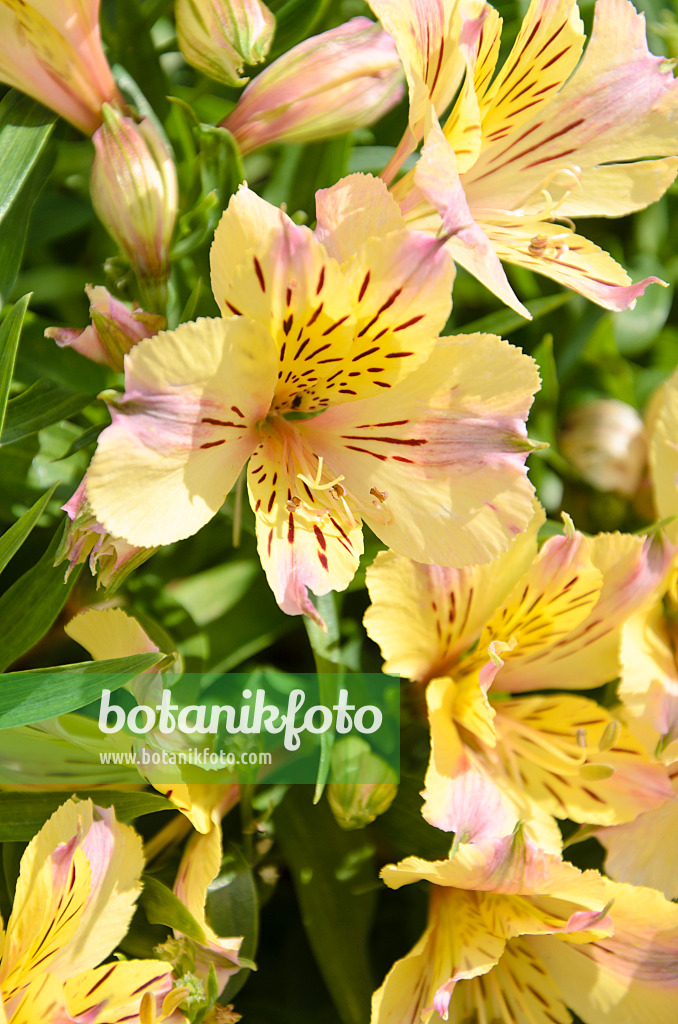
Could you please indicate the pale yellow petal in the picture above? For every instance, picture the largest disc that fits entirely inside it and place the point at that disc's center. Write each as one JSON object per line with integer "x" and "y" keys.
{"x": 424, "y": 617}
{"x": 109, "y": 633}
{"x": 664, "y": 455}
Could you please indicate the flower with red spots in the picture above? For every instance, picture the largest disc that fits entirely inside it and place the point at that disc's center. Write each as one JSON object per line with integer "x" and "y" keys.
{"x": 547, "y": 138}
{"x": 326, "y": 368}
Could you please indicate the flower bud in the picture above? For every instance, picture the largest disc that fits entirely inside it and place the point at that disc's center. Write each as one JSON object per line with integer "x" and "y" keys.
{"x": 363, "y": 785}
{"x": 604, "y": 440}
{"x": 114, "y": 330}
{"x": 342, "y": 79}
{"x": 111, "y": 559}
{"x": 218, "y": 36}
{"x": 134, "y": 192}
{"x": 52, "y": 51}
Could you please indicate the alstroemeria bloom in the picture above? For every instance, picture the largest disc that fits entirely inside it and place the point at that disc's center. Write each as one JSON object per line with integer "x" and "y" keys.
{"x": 527, "y": 621}
{"x": 663, "y": 443}
{"x": 547, "y": 139}
{"x": 77, "y": 889}
{"x": 52, "y": 51}
{"x": 648, "y": 690}
{"x": 515, "y": 936}
{"x": 420, "y": 437}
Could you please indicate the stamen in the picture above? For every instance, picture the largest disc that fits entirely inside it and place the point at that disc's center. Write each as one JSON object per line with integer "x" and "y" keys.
{"x": 315, "y": 484}
{"x": 381, "y": 495}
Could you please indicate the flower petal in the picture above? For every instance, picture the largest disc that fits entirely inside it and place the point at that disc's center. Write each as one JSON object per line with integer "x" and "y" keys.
{"x": 425, "y": 617}
{"x": 358, "y": 207}
{"x": 117, "y": 990}
{"x": 630, "y": 977}
{"x": 631, "y": 858}
{"x": 301, "y": 543}
{"x": 447, "y": 446}
{"x": 664, "y": 455}
{"x": 183, "y": 430}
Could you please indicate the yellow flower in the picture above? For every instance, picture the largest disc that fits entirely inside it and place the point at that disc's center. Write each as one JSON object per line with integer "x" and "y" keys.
{"x": 326, "y": 373}
{"x": 527, "y": 621}
{"x": 548, "y": 138}
{"x": 515, "y": 936}
{"x": 75, "y": 896}
{"x": 663, "y": 441}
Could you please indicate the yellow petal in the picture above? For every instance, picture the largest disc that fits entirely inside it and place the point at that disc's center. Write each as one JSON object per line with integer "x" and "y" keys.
{"x": 109, "y": 633}
{"x": 631, "y": 858}
{"x": 118, "y": 988}
{"x": 424, "y": 617}
{"x": 664, "y": 455}
{"x": 184, "y": 429}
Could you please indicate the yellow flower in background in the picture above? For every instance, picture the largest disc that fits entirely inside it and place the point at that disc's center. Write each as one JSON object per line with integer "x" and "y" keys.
{"x": 548, "y": 138}
{"x": 515, "y": 936}
{"x": 527, "y": 621}
{"x": 76, "y": 893}
{"x": 327, "y": 375}
{"x": 52, "y": 51}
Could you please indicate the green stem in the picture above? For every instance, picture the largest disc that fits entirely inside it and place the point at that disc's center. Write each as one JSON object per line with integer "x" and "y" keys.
{"x": 326, "y": 653}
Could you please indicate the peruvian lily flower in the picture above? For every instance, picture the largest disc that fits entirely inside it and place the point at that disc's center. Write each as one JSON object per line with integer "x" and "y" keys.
{"x": 326, "y": 372}
{"x": 515, "y": 936}
{"x": 52, "y": 51}
{"x": 77, "y": 889}
{"x": 527, "y": 621}
{"x": 547, "y": 139}
{"x": 648, "y": 690}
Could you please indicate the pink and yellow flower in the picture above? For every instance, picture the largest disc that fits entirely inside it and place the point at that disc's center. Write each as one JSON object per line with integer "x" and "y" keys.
{"x": 219, "y": 36}
{"x": 327, "y": 373}
{"x": 648, "y": 690}
{"x": 516, "y": 936}
{"x": 548, "y": 138}
{"x": 76, "y": 893}
{"x": 526, "y": 621}
{"x": 52, "y": 51}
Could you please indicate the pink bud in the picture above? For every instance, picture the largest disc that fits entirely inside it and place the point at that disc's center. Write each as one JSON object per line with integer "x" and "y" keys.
{"x": 114, "y": 330}
{"x": 218, "y": 36}
{"x": 342, "y": 79}
{"x": 52, "y": 51}
{"x": 134, "y": 192}
{"x": 111, "y": 559}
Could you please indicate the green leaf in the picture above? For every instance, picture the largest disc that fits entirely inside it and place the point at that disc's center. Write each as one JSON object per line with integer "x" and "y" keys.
{"x": 232, "y": 908}
{"x": 30, "y": 606}
{"x": 333, "y": 874}
{"x": 12, "y": 539}
{"x": 21, "y": 818}
{"x": 161, "y": 906}
{"x": 505, "y": 321}
{"x": 326, "y": 653}
{"x": 87, "y": 437}
{"x": 37, "y": 694}
{"x": 25, "y": 160}
{"x": 10, "y": 332}
{"x": 40, "y": 405}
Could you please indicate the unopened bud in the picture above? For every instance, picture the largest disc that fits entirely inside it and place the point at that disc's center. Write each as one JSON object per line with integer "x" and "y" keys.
{"x": 114, "y": 330}
{"x": 363, "y": 785}
{"x": 52, "y": 52}
{"x": 329, "y": 84}
{"x": 111, "y": 559}
{"x": 604, "y": 440}
{"x": 219, "y": 36}
{"x": 134, "y": 192}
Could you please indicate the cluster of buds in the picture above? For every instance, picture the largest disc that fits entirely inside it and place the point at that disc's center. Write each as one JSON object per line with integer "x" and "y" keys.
{"x": 135, "y": 194}
{"x": 218, "y": 37}
{"x": 330, "y": 84}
